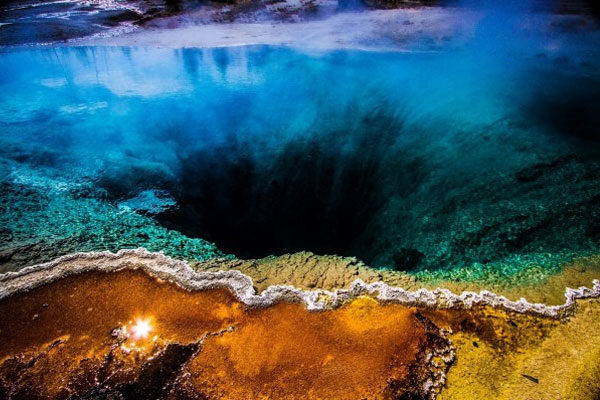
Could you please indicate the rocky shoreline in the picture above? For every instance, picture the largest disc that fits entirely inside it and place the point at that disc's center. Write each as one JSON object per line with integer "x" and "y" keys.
{"x": 36, "y": 22}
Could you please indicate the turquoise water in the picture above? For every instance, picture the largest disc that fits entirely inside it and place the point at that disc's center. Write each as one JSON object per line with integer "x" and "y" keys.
{"x": 416, "y": 161}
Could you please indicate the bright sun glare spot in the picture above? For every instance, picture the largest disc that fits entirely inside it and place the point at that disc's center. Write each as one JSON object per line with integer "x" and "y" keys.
{"x": 141, "y": 329}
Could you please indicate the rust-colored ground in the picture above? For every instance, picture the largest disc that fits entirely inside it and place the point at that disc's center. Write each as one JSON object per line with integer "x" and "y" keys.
{"x": 72, "y": 338}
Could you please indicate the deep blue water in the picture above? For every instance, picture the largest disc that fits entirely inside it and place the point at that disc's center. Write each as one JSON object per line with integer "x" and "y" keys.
{"x": 426, "y": 160}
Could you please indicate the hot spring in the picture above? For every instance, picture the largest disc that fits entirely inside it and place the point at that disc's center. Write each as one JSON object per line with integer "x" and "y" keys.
{"x": 192, "y": 194}
{"x": 422, "y": 160}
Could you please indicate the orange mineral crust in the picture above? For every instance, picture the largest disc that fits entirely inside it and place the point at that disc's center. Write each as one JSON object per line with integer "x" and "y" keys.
{"x": 128, "y": 335}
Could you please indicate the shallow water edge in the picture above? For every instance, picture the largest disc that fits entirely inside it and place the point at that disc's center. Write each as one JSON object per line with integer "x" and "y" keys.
{"x": 160, "y": 266}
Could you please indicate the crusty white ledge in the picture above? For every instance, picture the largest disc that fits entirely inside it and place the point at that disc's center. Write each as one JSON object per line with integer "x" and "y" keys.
{"x": 180, "y": 272}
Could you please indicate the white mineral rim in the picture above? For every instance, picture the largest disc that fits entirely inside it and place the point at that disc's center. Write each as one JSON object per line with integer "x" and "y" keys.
{"x": 179, "y": 272}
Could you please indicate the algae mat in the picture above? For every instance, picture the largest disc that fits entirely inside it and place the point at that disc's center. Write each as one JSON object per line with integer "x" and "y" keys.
{"x": 129, "y": 336}
{"x": 141, "y": 325}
